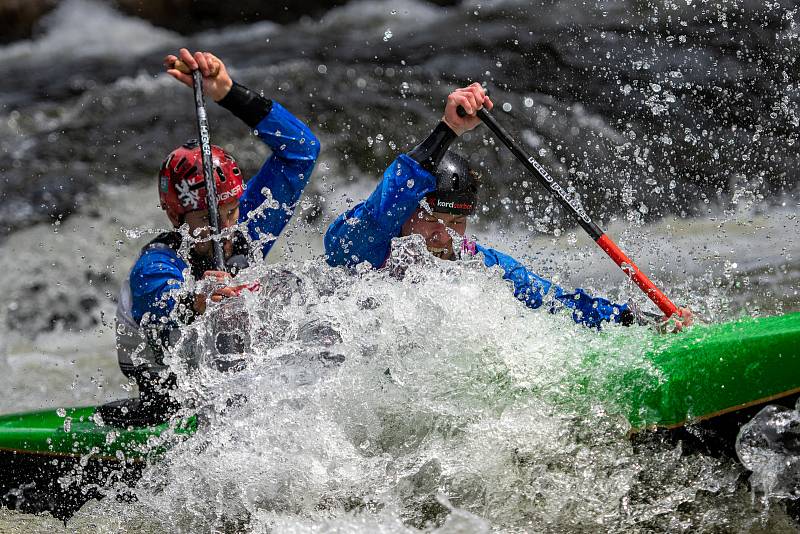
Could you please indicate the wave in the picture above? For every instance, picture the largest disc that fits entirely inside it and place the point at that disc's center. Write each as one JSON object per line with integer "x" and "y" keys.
{"x": 86, "y": 28}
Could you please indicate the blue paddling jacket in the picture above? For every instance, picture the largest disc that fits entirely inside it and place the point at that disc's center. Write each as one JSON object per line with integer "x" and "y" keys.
{"x": 364, "y": 233}
{"x": 150, "y": 292}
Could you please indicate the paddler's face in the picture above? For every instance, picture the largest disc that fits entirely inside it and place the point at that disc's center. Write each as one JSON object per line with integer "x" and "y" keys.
{"x": 199, "y": 227}
{"x": 436, "y": 228}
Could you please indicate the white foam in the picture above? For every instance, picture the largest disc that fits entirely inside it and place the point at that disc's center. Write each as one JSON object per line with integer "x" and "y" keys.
{"x": 257, "y": 31}
{"x": 87, "y": 28}
{"x": 372, "y": 18}
{"x": 447, "y": 388}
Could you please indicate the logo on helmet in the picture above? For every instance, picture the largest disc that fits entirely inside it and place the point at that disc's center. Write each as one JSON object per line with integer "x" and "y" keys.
{"x": 182, "y": 185}
{"x": 231, "y": 193}
{"x": 462, "y": 206}
{"x": 189, "y": 194}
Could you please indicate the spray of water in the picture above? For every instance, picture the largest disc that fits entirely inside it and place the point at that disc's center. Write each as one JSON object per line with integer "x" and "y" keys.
{"x": 419, "y": 396}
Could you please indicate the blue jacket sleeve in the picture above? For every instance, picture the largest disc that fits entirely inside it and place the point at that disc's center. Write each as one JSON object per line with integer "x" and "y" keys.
{"x": 273, "y": 192}
{"x": 155, "y": 275}
{"x": 534, "y": 291}
{"x": 364, "y": 232}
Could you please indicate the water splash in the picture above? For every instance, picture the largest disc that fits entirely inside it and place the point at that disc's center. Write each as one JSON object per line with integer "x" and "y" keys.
{"x": 422, "y": 395}
{"x": 769, "y": 446}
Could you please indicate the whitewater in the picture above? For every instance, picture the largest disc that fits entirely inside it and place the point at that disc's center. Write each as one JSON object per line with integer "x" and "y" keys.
{"x": 419, "y": 397}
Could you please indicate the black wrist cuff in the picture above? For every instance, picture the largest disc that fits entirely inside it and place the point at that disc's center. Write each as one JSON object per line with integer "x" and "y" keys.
{"x": 627, "y": 317}
{"x": 634, "y": 315}
{"x": 249, "y": 106}
{"x": 431, "y": 151}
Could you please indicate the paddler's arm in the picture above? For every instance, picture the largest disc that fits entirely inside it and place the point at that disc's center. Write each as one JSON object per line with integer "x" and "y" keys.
{"x": 155, "y": 282}
{"x": 272, "y": 194}
{"x": 534, "y": 291}
{"x": 284, "y": 175}
{"x": 364, "y": 232}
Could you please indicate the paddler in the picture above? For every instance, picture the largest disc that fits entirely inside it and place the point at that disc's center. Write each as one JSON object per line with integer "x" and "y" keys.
{"x": 430, "y": 191}
{"x": 154, "y": 302}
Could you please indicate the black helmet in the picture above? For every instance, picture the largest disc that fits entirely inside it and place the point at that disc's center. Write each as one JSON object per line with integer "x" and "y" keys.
{"x": 456, "y": 186}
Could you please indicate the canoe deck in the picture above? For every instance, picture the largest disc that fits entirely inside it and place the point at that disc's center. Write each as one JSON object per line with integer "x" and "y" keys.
{"x": 717, "y": 369}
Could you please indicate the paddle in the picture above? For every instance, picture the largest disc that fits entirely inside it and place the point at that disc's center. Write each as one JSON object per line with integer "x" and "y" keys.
{"x": 208, "y": 169}
{"x": 211, "y": 184}
{"x": 577, "y": 211}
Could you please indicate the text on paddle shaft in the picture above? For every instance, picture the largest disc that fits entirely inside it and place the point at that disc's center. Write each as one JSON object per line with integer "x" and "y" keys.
{"x": 205, "y": 138}
{"x": 573, "y": 203}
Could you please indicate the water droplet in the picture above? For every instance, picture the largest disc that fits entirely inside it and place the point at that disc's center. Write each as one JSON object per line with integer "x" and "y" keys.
{"x": 61, "y": 412}
{"x": 387, "y": 34}
{"x": 528, "y": 102}
{"x": 506, "y": 107}
{"x": 322, "y": 69}
{"x": 410, "y": 183}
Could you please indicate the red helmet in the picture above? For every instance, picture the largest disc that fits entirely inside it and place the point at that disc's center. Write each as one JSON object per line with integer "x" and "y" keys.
{"x": 181, "y": 186}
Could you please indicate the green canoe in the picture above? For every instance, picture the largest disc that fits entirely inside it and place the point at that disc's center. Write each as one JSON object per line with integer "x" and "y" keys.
{"x": 56, "y": 459}
{"x": 708, "y": 371}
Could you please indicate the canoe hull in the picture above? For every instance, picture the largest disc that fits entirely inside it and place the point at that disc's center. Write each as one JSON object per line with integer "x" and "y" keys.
{"x": 57, "y": 460}
{"x": 704, "y": 373}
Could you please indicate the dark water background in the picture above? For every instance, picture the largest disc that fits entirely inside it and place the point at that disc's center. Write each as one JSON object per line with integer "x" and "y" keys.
{"x": 655, "y": 107}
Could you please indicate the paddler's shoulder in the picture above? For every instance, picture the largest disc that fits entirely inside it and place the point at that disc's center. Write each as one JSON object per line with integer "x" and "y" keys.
{"x": 158, "y": 258}
{"x": 405, "y": 174}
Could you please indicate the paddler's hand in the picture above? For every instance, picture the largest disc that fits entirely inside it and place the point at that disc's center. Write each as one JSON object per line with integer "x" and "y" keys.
{"x": 675, "y": 325}
{"x": 472, "y": 99}
{"x": 216, "y": 80}
{"x": 220, "y": 292}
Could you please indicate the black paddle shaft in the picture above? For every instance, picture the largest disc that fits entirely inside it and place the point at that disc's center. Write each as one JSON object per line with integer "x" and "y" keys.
{"x": 570, "y": 204}
{"x": 208, "y": 169}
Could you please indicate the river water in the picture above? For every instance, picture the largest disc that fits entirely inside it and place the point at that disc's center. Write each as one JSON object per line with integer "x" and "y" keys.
{"x": 434, "y": 400}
